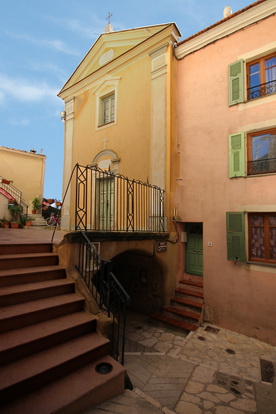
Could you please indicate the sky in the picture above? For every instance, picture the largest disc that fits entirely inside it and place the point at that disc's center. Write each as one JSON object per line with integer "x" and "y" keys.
{"x": 42, "y": 43}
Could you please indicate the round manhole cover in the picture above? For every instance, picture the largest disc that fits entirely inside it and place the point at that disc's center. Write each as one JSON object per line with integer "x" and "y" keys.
{"x": 104, "y": 368}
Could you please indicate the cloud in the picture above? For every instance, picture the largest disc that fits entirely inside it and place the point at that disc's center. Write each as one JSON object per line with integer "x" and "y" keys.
{"x": 55, "y": 44}
{"x": 20, "y": 122}
{"x": 23, "y": 90}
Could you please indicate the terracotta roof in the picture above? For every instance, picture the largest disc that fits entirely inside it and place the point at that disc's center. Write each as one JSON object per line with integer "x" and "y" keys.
{"x": 222, "y": 21}
{"x": 24, "y": 152}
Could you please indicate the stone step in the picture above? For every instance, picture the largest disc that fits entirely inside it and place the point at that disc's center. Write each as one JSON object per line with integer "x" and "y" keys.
{"x": 26, "y": 341}
{"x": 15, "y": 261}
{"x": 26, "y": 374}
{"x": 24, "y": 314}
{"x": 12, "y": 295}
{"x": 25, "y": 248}
{"x": 77, "y": 392}
{"x": 11, "y": 277}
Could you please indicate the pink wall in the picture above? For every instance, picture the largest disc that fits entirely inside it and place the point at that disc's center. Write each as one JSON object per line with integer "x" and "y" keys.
{"x": 241, "y": 296}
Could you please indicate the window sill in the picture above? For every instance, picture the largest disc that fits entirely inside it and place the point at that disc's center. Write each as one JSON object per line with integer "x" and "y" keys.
{"x": 256, "y": 102}
{"x": 107, "y": 124}
{"x": 262, "y": 264}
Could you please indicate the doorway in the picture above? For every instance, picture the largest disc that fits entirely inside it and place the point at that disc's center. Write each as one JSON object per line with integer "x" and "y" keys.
{"x": 194, "y": 249}
{"x": 105, "y": 203}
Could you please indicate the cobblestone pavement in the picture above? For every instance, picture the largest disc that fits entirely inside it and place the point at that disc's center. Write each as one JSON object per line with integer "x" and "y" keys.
{"x": 210, "y": 371}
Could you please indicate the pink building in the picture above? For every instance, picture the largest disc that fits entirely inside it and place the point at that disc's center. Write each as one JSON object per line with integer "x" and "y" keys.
{"x": 226, "y": 182}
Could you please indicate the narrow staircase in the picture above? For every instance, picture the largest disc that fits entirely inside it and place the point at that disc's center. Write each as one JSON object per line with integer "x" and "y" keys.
{"x": 49, "y": 347}
{"x": 186, "y": 308}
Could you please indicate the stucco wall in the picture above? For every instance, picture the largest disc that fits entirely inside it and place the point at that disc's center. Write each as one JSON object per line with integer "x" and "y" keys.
{"x": 25, "y": 169}
{"x": 238, "y": 296}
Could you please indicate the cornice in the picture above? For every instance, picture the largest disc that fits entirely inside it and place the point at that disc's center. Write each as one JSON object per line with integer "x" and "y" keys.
{"x": 226, "y": 28}
{"x": 170, "y": 31}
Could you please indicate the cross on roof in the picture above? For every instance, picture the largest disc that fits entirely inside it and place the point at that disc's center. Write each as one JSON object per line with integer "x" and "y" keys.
{"x": 108, "y": 17}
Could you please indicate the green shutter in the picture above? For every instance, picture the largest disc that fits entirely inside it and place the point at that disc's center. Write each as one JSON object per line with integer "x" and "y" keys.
{"x": 235, "y": 237}
{"x": 236, "y": 82}
{"x": 237, "y": 167}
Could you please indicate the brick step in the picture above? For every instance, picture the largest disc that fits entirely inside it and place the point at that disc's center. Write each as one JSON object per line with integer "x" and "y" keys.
{"x": 15, "y": 261}
{"x": 182, "y": 312}
{"x": 12, "y": 295}
{"x": 72, "y": 394}
{"x": 191, "y": 283}
{"x": 24, "y": 314}
{"x": 187, "y": 302}
{"x": 26, "y": 341}
{"x": 34, "y": 371}
{"x": 175, "y": 322}
{"x": 25, "y": 248}
{"x": 11, "y": 277}
{"x": 190, "y": 292}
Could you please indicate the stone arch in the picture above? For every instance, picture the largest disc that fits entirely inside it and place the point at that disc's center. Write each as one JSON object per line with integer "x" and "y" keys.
{"x": 142, "y": 277}
{"x": 107, "y": 159}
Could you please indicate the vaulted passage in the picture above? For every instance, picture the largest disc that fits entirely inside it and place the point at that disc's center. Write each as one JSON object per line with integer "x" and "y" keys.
{"x": 142, "y": 277}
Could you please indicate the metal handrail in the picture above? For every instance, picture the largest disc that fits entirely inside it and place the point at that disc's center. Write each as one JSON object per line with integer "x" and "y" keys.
{"x": 263, "y": 89}
{"x": 15, "y": 193}
{"x": 107, "y": 291}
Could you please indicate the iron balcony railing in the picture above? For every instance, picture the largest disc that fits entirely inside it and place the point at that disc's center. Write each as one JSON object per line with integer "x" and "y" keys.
{"x": 107, "y": 292}
{"x": 112, "y": 202}
{"x": 262, "y": 166}
{"x": 264, "y": 89}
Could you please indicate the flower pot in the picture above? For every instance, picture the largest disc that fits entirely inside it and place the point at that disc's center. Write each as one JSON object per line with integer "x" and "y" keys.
{"x": 28, "y": 223}
{"x": 6, "y": 225}
{"x": 14, "y": 225}
{"x": 33, "y": 211}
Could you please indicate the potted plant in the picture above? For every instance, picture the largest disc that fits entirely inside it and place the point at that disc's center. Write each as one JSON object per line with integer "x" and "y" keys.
{"x": 36, "y": 204}
{"x": 15, "y": 211}
{"x": 25, "y": 220}
{"x": 5, "y": 223}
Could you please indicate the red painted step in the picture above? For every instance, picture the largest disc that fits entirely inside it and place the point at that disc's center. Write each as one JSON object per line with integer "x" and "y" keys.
{"x": 190, "y": 292}
{"x": 191, "y": 283}
{"x": 182, "y": 312}
{"x": 26, "y": 248}
{"x": 175, "y": 322}
{"x": 188, "y": 302}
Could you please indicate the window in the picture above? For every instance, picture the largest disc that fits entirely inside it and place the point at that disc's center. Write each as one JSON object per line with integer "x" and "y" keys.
{"x": 262, "y": 237}
{"x": 107, "y": 114}
{"x": 261, "y": 152}
{"x": 261, "y": 77}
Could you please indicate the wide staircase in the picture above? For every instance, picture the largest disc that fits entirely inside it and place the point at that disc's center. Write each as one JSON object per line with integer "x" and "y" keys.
{"x": 52, "y": 358}
{"x": 186, "y": 308}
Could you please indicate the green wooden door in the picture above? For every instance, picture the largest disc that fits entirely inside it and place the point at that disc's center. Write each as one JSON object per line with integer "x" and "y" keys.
{"x": 194, "y": 250}
{"x": 105, "y": 203}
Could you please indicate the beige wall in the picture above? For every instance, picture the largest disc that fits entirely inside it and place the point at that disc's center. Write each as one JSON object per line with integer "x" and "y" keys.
{"x": 25, "y": 169}
{"x": 238, "y": 296}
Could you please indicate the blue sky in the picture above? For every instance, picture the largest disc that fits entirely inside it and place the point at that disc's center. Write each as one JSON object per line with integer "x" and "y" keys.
{"x": 41, "y": 44}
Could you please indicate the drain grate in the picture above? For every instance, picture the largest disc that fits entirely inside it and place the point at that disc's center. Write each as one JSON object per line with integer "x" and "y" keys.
{"x": 267, "y": 371}
{"x": 230, "y": 351}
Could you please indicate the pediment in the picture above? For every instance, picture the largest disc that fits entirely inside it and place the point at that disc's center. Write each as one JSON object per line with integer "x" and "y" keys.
{"x": 107, "y": 48}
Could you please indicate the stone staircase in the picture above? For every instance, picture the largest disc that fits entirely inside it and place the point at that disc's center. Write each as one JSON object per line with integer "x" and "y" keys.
{"x": 49, "y": 348}
{"x": 37, "y": 220}
{"x": 186, "y": 308}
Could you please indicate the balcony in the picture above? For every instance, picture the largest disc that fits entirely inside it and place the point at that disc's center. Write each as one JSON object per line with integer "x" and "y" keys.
{"x": 259, "y": 91}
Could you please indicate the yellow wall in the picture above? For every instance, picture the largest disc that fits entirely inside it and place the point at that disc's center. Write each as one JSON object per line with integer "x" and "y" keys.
{"x": 25, "y": 169}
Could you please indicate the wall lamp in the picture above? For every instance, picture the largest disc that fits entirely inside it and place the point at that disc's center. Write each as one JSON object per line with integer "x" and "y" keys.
{"x": 63, "y": 116}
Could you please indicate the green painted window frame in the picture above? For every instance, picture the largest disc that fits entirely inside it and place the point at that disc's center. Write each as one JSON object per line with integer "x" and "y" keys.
{"x": 237, "y": 160}
{"x": 235, "y": 231}
{"x": 236, "y": 82}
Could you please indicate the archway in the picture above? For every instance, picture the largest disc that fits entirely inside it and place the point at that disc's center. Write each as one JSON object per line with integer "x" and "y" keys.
{"x": 142, "y": 277}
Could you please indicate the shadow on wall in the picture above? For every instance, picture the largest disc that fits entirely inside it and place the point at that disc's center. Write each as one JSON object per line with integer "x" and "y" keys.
{"x": 142, "y": 278}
